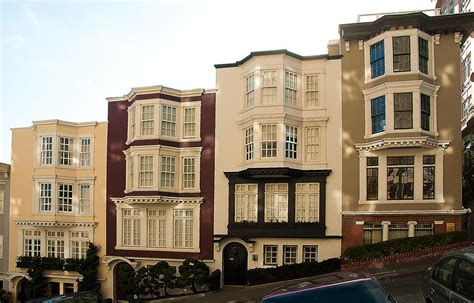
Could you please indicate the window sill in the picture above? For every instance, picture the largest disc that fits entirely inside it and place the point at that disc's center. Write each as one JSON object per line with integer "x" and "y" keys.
{"x": 370, "y": 202}
{"x": 401, "y": 131}
{"x": 392, "y": 74}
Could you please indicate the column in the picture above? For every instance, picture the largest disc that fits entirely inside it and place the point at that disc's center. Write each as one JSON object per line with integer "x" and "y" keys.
{"x": 61, "y": 288}
{"x": 411, "y": 228}
{"x": 385, "y": 225}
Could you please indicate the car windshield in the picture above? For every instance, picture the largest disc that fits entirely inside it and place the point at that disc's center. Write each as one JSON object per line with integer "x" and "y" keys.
{"x": 363, "y": 291}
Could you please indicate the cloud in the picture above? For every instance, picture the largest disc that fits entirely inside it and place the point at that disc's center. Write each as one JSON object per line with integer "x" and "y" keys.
{"x": 15, "y": 41}
{"x": 33, "y": 18}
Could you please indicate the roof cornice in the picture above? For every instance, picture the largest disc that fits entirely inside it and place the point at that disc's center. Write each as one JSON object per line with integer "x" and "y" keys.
{"x": 160, "y": 89}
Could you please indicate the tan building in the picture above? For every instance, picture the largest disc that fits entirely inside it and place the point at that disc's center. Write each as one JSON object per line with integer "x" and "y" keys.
{"x": 402, "y": 148}
{"x": 57, "y": 200}
{"x": 278, "y": 161}
{"x": 4, "y": 211}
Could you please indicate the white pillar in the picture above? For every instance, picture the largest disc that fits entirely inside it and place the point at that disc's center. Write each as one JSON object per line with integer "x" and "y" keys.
{"x": 385, "y": 225}
{"x": 411, "y": 228}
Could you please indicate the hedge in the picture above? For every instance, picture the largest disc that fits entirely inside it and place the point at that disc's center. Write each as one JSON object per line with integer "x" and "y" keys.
{"x": 403, "y": 245}
{"x": 292, "y": 271}
{"x": 50, "y": 263}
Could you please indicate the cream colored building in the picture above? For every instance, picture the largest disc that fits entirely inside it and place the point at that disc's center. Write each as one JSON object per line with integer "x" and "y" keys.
{"x": 57, "y": 198}
{"x": 278, "y": 169}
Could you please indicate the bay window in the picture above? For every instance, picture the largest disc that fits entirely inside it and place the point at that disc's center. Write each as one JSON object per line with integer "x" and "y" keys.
{"x": 84, "y": 198}
{"x": 55, "y": 244}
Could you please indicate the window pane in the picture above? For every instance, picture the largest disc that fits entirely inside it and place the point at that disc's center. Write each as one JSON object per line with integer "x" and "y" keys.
{"x": 400, "y": 183}
{"x": 291, "y": 141}
{"x": 377, "y": 59}
{"x": 372, "y": 233}
{"x": 425, "y": 112}
{"x": 401, "y": 54}
{"x": 444, "y": 271}
{"x": 168, "y": 121}
{"x": 464, "y": 283}
{"x": 378, "y": 114}
{"x": 403, "y": 106}
{"x": 423, "y": 55}
{"x": 372, "y": 183}
{"x": 276, "y": 202}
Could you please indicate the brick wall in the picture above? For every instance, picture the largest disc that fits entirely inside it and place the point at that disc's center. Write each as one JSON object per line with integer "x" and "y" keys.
{"x": 353, "y": 234}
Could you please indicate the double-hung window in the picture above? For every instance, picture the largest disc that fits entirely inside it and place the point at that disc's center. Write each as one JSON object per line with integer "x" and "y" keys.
{"x": 400, "y": 178}
{"x": 79, "y": 243}
{"x": 183, "y": 228}
{"x": 401, "y": 54}
{"x": 312, "y": 93}
{"x": 246, "y": 196}
{"x": 466, "y": 68}
{"x": 269, "y": 87}
{"x": 131, "y": 227}
{"x": 65, "y": 150}
{"x": 429, "y": 163}
{"x": 372, "y": 178}
{"x": 131, "y": 172}
{"x": 84, "y": 198}
{"x": 85, "y": 154}
{"x": 168, "y": 121}
{"x": 378, "y": 114}
{"x": 32, "y": 243}
{"x": 307, "y": 202}
{"x": 132, "y": 123}
{"x": 291, "y": 141}
{"x": 249, "y": 143}
{"x": 377, "y": 59}
{"x": 403, "y": 110}
{"x": 291, "y": 84}
{"x": 189, "y": 172}
{"x": 65, "y": 197}
{"x": 168, "y": 168}
{"x": 189, "y": 122}
{"x": 146, "y": 171}
{"x": 425, "y": 112}
{"x": 45, "y": 197}
{"x": 55, "y": 244}
{"x": 250, "y": 90}
{"x": 156, "y": 228}
{"x": 269, "y": 141}
{"x": 148, "y": 120}
{"x": 46, "y": 150}
{"x": 423, "y": 55}
{"x": 312, "y": 143}
{"x": 276, "y": 202}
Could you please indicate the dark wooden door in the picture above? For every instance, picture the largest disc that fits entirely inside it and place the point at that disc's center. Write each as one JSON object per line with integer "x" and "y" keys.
{"x": 235, "y": 264}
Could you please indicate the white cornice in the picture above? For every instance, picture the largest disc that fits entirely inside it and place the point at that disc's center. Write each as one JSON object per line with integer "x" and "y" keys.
{"x": 66, "y": 123}
{"x": 407, "y": 212}
{"x": 54, "y": 223}
{"x": 386, "y": 143}
{"x": 157, "y": 199}
{"x": 399, "y": 86}
{"x": 160, "y": 89}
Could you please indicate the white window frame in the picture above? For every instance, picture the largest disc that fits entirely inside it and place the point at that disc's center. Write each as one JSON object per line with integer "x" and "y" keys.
{"x": 46, "y": 155}
{"x": 290, "y": 254}
{"x": 276, "y": 202}
{"x": 43, "y": 198}
{"x": 31, "y": 242}
{"x": 312, "y": 95}
{"x": 145, "y": 171}
{"x": 2, "y": 198}
{"x": 249, "y": 143}
{"x": 131, "y": 218}
{"x": 85, "y": 153}
{"x": 65, "y": 203}
{"x": 156, "y": 227}
{"x": 65, "y": 151}
{"x": 270, "y": 253}
{"x": 269, "y": 84}
{"x": 308, "y": 255}
{"x": 250, "y": 91}
{"x": 183, "y": 221}
{"x": 189, "y": 172}
{"x": 307, "y": 201}
{"x": 55, "y": 244}
{"x": 132, "y": 123}
{"x": 78, "y": 244}
{"x": 246, "y": 202}
{"x": 189, "y": 122}
{"x": 291, "y": 88}
{"x": 147, "y": 120}
{"x": 168, "y": 120}
{"x": 291, "y": 142}
{"x": 269, "y": 142}
{"x": 168, "y": 171}
{"x": 312, "y": 143}
{"x": 84, "y": 201}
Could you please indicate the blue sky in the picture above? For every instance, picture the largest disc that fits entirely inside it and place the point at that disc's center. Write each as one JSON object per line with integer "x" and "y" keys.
{"x": 61, "y": 59}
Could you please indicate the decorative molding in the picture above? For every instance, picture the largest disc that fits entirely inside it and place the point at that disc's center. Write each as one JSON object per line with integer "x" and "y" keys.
{"x": 55, "y": 223}
{"x": 109, "y": 260}
{"x": 284, "y": 172}
{"x": 436, "y": 39}
{"x": 405, "y": 212}
{"x": 361, "y": 44}
{"x": 457, "y": 37}
{"x": 347, "y": 44}
{"x": 359, "y": 222}
{"x": 145, "y": 90}
{"x": 438, "y": 222}
{"x": 129, "y": 200}
{"x": 66, "y": 123}
{"x": 386, "y": 143}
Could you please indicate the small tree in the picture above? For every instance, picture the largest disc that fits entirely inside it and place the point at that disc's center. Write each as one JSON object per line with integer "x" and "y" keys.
{"x": 127, "y": 280}
{"x": 89, "y": 270}
{"x": 165, "y": 274}
{"x": 35, "y": 288}
{"x": 5, "y": 296}
{"x": 142, "y": 277}
{"x": 191, "y": 272}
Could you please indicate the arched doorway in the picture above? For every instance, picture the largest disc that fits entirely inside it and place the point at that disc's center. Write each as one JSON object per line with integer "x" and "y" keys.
{"x": 123, "y": 276}
{"x": 21, "y": 291}
{"x": 235, "y": 264}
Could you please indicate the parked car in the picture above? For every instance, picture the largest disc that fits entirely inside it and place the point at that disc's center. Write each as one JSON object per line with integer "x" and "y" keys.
{"x": 451, "y": 278}
{"x": 78, "y": 297}
{"x": 354, "y": 287}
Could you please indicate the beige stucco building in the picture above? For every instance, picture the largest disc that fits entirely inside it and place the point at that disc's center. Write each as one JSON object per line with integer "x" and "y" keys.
{"x": 402, "y": 148}
{"x": 57, "y": 200}
{"x": 278, "y": 161}
{"x": 4, "y": 213}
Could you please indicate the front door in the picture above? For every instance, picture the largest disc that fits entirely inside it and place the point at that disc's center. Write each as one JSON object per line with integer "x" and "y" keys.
{"x": 235, "y": 264}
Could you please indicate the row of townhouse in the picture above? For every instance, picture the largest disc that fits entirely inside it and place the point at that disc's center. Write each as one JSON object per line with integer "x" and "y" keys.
{"x": 290, "y": 159}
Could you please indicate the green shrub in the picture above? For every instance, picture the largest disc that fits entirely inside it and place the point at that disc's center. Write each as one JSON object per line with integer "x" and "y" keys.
{"x": 292, "y": 271}
{"x": 215, "y": 280}
{"x": 192, "y": 272}
{"x": 403, "y": 245}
